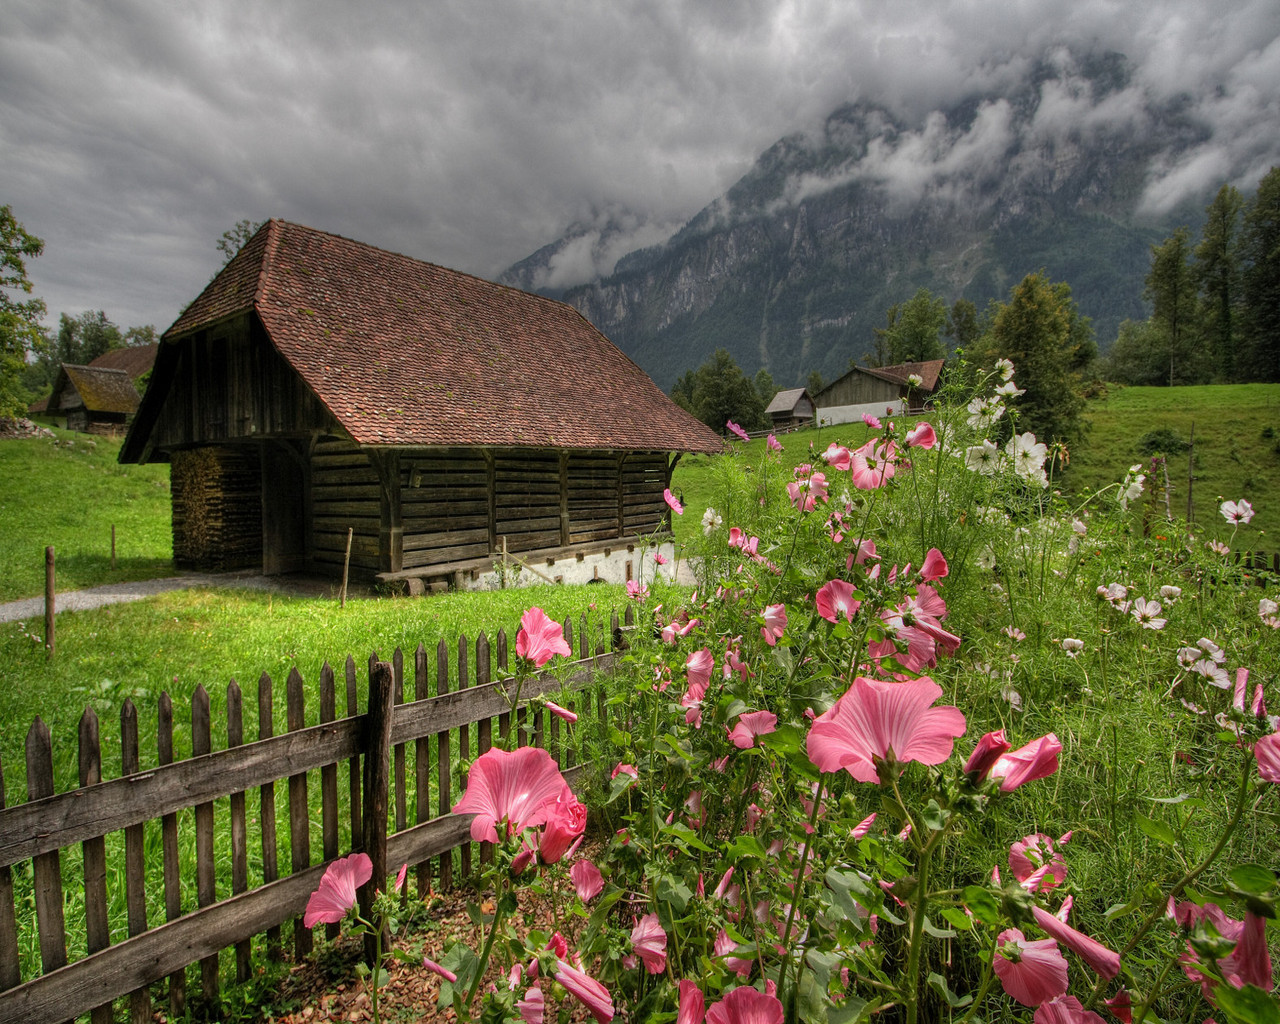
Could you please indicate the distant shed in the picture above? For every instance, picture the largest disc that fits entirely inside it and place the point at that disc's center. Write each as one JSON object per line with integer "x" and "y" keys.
{"x": 879, "y": 389}
{"x": 320, "y": 384}
{"x": 791, "y": 409}
{"x": 94, "y": 399}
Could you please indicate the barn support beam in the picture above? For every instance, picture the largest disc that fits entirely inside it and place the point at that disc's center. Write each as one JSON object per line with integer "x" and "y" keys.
{"x": 390, "y": 518}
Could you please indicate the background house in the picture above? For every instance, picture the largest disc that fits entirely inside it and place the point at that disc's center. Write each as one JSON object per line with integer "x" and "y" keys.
{"x": 93, "y": 399}
{"x": 878, "y": 390}
{"x": 319, "y": 385}
{"x": 134, "y": 360}
{"x": 791, "y": 409}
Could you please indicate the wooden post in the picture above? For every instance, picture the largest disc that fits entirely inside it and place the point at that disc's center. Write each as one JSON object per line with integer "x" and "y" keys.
{"x": 10, "y": 972}
{"x": 169, "y": 839}
{"x": 206, "y": 887}
{"x": 328, "y": 783}
{"x": 49, "y": 609}
{"x": 239, "y": 828}
{"x": 97, "y": 931}
{"x": 443, "y": 760}
{"x": 346, "y": 571}
{"x": 421, "y": 763}
{"x": 1191, "y": 452}
{"x": 267, "y": 807}
{"x": 113, "y": 547}
{"x": 299, "y": 808}
{"x": 399, "y": 757}
{"x": 377, "y": 777}
{"x": 47, "y": 867}
{"x": 353, "y": 766}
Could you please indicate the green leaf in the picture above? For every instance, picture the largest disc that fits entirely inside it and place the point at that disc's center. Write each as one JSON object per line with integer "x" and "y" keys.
{"x": 935, "y": 818}
{"x": 1119, "y": 910}
{"x": 936, "y": 932}
{"x": 785, "y": 660}
{"x": 939, "y": 985}
{"x": 983, "y": 904}
{"x": 381, "y": 977}
{"x": 958, "y": 918}
{"x": 1156, "y": 830}
{"x": 744, "y": 847}
{"x": 1252, "y": 879}
{"x": 853, "y": 1011}
{"x": 1248, "y": 1005}
{"x": 462, "y": 962}
{"x": 787, "y": 739}
{"x": 673, "y": 891}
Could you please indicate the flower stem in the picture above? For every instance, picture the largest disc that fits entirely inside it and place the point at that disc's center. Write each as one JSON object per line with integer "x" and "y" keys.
{"x": 795, "y": 894}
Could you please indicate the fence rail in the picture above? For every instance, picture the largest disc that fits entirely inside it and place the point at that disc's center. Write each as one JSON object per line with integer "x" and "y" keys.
{"x": 388, "y": 752}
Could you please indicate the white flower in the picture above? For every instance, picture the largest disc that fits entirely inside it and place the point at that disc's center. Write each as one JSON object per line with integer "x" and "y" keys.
{"x": 1147, "y": 614}
{"x": 1170, "y": 594}
{"x": 1078, "y": 527}
{"x": 1005, "y": 368}
{"x": 1132, "y": 486}
{"x": 1072, "y": 647}
{"x": 1028, "y": 456}
{"x": 1267, "y": 607}
{"x": 915, "y": 380}
{"x": 1218, "y": 548}
{"x": 711, "y": 521}
{"x": 1237, "y": 513}
{"x": 986, "y": 558}
{"x": 983, "y": 458}
{"x": 1010, "y": 390}
{"x": 983, "y": 412}
{"x": 1212, "y": 650}
{"x": 1187, "y": 656}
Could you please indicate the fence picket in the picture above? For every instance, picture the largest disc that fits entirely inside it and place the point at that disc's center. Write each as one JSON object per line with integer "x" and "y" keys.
{"x": 401, "y": 779}
{"x": 10, "y": 969}
{"x": 239, "y": 829}
{"x": 206, "y": 892}
{"x": 353, "y": 765}
{"x": 299, "y": 810}
{"x": 328, "y": 784}
{"x": 135, "y": 868}
{"x": 97, "y": 931}
{"x": 48, "y": 866}
{"x": 445, "y": 803}
{"x": 484, "y": 727}
{"x": 504, "y": 718}
{"x": 377, "y": 771}
{"x": 421, "y": 767}
{"x": 267, "y": 807}
{"x": 464, "y": 743}
{"x": 169, "y": 838}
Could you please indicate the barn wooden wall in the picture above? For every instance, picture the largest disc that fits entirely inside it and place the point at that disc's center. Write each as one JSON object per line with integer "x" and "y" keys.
{"x": 859, "y": 389}
{"x": 344, "y": 493}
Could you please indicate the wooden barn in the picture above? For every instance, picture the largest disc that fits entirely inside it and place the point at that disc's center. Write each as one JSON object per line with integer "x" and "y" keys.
{"x": 319, "y": 385}
{"x": 94, "y": 399}
{"x": 790, "y": 409}
{"x": 877, "y": 389}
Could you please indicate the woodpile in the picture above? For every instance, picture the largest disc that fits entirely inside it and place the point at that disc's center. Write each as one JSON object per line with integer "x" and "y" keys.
{"x": 217, "y": 508}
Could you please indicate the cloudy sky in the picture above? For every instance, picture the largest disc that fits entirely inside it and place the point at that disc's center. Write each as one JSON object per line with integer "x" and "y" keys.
{"x": 470, "y": 133}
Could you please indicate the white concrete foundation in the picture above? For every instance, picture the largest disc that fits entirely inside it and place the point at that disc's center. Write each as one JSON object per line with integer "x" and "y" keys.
{"x": 629, "y": 560}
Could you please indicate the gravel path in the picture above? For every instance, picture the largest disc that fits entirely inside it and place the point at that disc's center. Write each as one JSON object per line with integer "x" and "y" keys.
{"x": 120, "y": 593}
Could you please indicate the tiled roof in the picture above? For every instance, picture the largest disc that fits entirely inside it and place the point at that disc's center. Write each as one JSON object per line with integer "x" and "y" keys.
{"x": 899, "y": 372}
{"x": 135, "y": 360}
{"x": 408, "y": 353}
{"x": 785, "y": 401}
{"x": 101, "y": 390}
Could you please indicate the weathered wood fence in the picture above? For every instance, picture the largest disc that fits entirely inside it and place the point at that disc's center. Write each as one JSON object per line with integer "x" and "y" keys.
{"x": 398, "y": 758}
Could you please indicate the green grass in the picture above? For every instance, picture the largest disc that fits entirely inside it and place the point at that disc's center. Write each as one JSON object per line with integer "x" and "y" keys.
{"x": 68, "y": 492}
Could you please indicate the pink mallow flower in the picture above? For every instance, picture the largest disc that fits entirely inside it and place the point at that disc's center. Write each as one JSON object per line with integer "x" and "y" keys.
{"x": 649, "y": 941}
{"x": 1032, "y": 972}
{"x": 1266, "y": 752}
{"x": 922, "y": 435}
{"x": 539, "y": 638}
{"x": 1037, "y": 760}
{"x": 737, "y": 430}
{"x": 594, "y": 996}
{"x": 698, "y": 667}
{"x": 1037, "y": 863}
{"x": 1065, "y": 1010}
{"x": 521, "y": 786}
{"x": 672, "y": 501}
{"x": 587, "y": 880}
{"x": 561, "y": 712}
{"x": 934, "y": 567}
{"x": 337, "y": 891}
{"x": 835, "y": 599}
{"x": 435, "y": 968}
{"x": 876, "y": 721}
{"x": 753, "y": 724}
{"x": 773, "y": 443}
{"x": 988, "y": 751}
{"x": 532, "y": 1006}
{"x": 746, "y": 1005}
{"x": 1105, "y": 962}
{"x": 693, "y": 1004}
{"x": 775, "y": 621}
{"x": 566, "y": 821}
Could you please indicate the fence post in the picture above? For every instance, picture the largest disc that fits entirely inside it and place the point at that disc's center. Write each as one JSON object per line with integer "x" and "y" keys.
{"x": 10, "y": 973}
{"x": 49, "y": 602}
{"x": 97, "y": 930}
{"x": 377, "y": 776}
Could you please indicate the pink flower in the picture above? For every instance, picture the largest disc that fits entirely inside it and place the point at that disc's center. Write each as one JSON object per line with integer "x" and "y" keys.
{"x": 560, "y": 712}
{"x": 1267, "y": 753}
{"x": 836, "y": 456}
{"x": 337, "y": 892}
{"x": 637, "y": 591}
{"x": 935, "y": 566}
{"x": 521, "y": 786}
{"x": 755, "y": 723}
{"x": 1236, "y": 512}
{"x": 775, "y": 621}
{"x": 540, "y": 639}
{"x": 594, "y": 996}
{"x": 1104, "y": 961}
{"x": 1065, "y": 1010}
{"x": 863, "y": 827}
{"x": 400, "y": 876}
{"x": 1250, "y": 962}
{"x": 746, "y": 1005}
{"x": 1121, "y": 1006}
{"x": 531, "y": 1006}
{"x": 435, "y": 968}
{"x": 871, "y": 421}
{"x": 558, "y": 945}
{"x": 872, "y": 465}
{"x": 1036, "y": 863}
{"x": 921, "y": 436}
{"x": 875, "y": 721}
{"x": 737, "y": 430}
{"x": 1031, "y": 972}
{"x": 692, "y": 1003}
{"x": 659, "y": 558}
{"x": 835, "y": 599}
{"x": 698, "y": 668}
{"x": 773, "y": 443}
{"x": 566, "y": 820}
{"x": 985, "y": 754}
{"x": 671, "y": 500}
{"x": 649, "y": 941}
{"x": 724, "y": 945}
{"x": 587, "y": 880}
{"x": 625, "y": 769}
{"x": 1037, "y": 760}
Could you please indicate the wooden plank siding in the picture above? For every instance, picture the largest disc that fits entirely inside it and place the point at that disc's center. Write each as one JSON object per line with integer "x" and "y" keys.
{"x": 345, "y": 492}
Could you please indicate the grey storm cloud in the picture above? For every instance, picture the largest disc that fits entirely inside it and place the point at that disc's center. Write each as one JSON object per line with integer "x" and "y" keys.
{"x": 132, "y": 134}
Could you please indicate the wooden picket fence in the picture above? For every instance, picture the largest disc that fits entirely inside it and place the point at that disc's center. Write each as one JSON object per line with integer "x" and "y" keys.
{"x": 387, "y": 754}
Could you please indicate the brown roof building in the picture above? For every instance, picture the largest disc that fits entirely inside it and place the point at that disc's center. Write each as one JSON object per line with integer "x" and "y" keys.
{"x": 135, "y": 360}
{"x": 318, "y": 384}
{"x": 92, "y": 398}
{"x": 880, "y": 385}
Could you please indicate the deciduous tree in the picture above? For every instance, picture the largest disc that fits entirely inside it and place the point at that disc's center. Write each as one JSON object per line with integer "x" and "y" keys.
{"x": 20, "y": 329}
{"x": 719, "y": 391}
{"x": 912, "y": 332}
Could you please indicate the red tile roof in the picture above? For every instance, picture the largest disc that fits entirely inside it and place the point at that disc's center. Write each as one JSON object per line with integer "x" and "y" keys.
{"x": 899, "y": 372}
{"x": 135, "y": 360}
{"x": 404, "y": 352}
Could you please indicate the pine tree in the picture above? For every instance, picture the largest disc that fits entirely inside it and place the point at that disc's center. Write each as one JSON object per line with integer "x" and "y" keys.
{"x": 1216, "y": 273}
{"x": 1172, "y": 293}
{"x": 1260, "y": 257}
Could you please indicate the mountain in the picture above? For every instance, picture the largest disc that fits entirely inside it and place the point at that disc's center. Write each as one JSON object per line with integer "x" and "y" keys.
{"x": 794, "y": 266}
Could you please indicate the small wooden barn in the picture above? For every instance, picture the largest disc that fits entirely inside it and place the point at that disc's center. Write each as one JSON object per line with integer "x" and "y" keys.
{"x": 790, "y": 409}
{"x": 319, "y": 385}
{"x": 881, "y": 386}
{"x": 94, "y": 399}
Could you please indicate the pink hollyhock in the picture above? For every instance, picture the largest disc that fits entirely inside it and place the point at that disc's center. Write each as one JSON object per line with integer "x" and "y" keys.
{"x": 872, "y": 465}
{"x": 874, "y": 721}
{"x": 594, "y": 996}
{"x": 1266, "y": 752}
{"x": 922, "y": 435}
{"x": 649, "y": 941}
{"x": 625, "y": 769}
{"x": 985, "y": 755}
{"x": 1105, "y": 962}
{"x": 401, "y": 875}
{"x": 1037, "y": 760}
{"x": 863, "y": 550}
{"x": 692, "y": 1003}
{"x": 737, "y": 430}
{"x": 539, "y": 639}
{"x": 746, "y": 1005}
{"x": 773, "y": 444}
{"x": 724, "y": 945}
{"x": 755, "y": 723}
{"x": 836, "y": 456}
{"x": 1036, "y": 863}
{"x": 337, "y": 891}
{"x": 1250, "y": 962}
{"x": 566, "y": 821}
{"x": 1065, "y": 1010}
{"x": 698, "y": 667}
{"x": 835, "y": 599}
{"x": 671, "y": 500}
{"x": 1032, "y": 972}
{"x": 775, "y": 621}
{"x": 1121, "y": 1006}
{"x": 872, "y": 421}
{"x": 560, "y": 712}
{"x": 863, "y": 827}
{"x": 521, "y": 786}
{"x": 435, "y": 968}
{"x": 532, "y": 1006}
{"x": 587, "y": 880}
{"x": 935, "y": 566}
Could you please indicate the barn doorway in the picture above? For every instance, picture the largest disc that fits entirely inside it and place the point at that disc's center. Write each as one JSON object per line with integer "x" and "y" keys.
{"x": 284, "y": 491}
